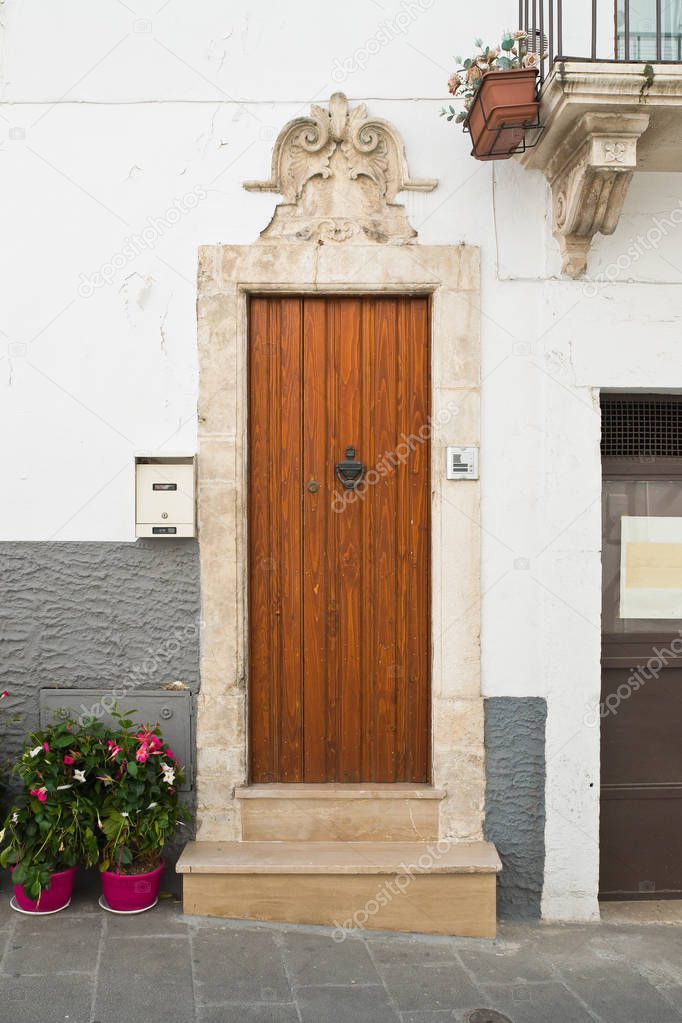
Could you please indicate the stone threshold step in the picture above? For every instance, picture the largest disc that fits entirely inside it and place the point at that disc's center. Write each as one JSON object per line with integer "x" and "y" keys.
{"x": 424, "y": 887}
{"x": 339, "y": 813}
{"x": 336, "y": 790}
{"x": 339, "y": 858}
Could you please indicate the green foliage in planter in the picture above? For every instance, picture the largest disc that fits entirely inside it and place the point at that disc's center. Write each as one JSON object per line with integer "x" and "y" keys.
{"x": 53, "y": 825}
{"x": 91, "y": 793}
{"x": 140, "y": 809}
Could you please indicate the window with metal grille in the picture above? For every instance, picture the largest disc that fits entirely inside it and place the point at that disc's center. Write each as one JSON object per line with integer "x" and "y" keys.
{"x": 637, "y": 427}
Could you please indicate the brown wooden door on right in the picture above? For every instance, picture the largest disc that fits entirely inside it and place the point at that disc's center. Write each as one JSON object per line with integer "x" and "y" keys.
{"x": 339, "y": 579}
{"x": 641, "y": 699}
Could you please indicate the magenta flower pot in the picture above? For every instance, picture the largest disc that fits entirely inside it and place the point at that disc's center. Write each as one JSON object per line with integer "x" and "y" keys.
{"x": 131, "y": 893}
{"x": 52, "y": 899}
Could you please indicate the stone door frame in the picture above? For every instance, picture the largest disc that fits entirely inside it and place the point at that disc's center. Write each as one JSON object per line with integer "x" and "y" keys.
{"x": 450, "y": 275}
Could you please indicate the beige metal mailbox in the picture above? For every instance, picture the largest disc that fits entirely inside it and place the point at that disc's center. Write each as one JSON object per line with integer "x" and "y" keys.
{"x": 165, "y": 497}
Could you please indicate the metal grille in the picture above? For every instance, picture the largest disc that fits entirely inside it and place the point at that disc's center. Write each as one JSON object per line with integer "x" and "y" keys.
{"x": 641, "y": 427}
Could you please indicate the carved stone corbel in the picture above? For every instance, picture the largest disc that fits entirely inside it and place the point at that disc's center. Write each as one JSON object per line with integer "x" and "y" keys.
{"x": 338, "y": 172}
{"x": 589, "y": 174}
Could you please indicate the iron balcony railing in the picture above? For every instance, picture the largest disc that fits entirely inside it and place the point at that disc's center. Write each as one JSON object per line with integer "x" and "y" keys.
{"x": 646, "y": 31}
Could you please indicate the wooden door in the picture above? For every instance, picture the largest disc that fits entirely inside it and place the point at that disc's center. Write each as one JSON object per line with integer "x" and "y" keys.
{"x": 641, "y": 704}
{"x": 339, "y": 579}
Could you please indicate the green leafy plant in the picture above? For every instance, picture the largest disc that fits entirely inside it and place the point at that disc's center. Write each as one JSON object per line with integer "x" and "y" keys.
{"x": 512, "y": 54}
{"x": 53, "y": 825}
{"x": 4, "y": 695}
{"x": 140, "y": 809}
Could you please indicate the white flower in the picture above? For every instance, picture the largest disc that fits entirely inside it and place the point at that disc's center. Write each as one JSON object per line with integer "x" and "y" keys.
{"x": 152, "y": 805}
{"x": 61, "y": 787}
{"x": 168, "y": 773}
{"x": 36, "y": 751}
{"x": 79, "y": 775}
{"x": 124, "y": 813}
{"x": 15, "y": 817}
{"x": 2, "y": 834}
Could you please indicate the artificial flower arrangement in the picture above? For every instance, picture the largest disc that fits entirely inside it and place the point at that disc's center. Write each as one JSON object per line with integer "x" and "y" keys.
{"x": 52, "y": 828}
{"x": 92, "y": 793}
{"x": 511, "y": 55}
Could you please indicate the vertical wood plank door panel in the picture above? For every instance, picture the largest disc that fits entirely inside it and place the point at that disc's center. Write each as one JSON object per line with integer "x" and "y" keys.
{"x": 339, "y": 579}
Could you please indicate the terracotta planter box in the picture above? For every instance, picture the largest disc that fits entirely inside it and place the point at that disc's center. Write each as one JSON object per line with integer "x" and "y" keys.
{"x": 505, "y": 105}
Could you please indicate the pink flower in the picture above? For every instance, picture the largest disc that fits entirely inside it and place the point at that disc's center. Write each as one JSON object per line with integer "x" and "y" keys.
{"x": 40, "y": 794}
{"x": 114, "y": 751}
{"x": 142, "y": 754}
{"x": 169, "y": 755}
{"x": 155, "y": 741}
{"x": 68, "y": 759}
{"x": 4, "y": 694}
{"x": 46, "y": 747}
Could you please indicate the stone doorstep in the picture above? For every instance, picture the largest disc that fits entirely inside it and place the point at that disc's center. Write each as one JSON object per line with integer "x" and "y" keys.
{"x": 389, "y": 886}
{"x": 341, "y": 813}
{"x": 337, "y": 790}
{"x": 337, "y": 858}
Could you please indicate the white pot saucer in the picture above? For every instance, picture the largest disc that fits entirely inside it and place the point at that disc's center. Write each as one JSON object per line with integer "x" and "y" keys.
{"x": 124, "y": 912}
{"x": 31, "y": 912}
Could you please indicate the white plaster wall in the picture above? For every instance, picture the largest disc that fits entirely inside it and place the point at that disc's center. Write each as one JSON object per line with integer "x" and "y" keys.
{"x": 114, "y": 112}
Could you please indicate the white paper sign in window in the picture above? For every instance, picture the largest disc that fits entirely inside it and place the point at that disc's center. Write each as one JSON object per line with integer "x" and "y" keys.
{"x": 651, "y": 567}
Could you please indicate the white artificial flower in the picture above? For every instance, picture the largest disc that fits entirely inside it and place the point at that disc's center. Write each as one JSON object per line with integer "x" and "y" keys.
{"x": 36, "y": 750}
{"x": 79, "y": 775}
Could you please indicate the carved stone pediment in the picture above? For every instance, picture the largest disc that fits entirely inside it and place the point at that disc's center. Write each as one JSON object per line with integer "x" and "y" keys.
{"x": 338, "y": 172}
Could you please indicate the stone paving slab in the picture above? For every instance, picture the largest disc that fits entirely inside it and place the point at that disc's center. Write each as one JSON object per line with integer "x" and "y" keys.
{"x": 87, "y": 966}
{"x": 541, "y": 1003}
{"x": 345, "y": 1005}
{"x": 314, "y": 960}
{"x": 141, "y": 979}
{"x": 37, "y": 946}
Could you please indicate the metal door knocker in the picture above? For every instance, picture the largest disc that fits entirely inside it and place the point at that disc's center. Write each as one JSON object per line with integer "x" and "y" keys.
{"x": 350, "y": 472}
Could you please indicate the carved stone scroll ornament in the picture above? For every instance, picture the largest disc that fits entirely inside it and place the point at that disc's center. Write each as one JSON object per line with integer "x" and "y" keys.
{"x": 590, "y": 174}
{"x": 339, "y": 172}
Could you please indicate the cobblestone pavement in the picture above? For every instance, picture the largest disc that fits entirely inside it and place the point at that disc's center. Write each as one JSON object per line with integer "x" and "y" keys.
{"x": 86, "y": 966}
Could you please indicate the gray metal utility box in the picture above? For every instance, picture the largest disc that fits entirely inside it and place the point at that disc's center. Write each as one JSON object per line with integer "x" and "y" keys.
{"x": 171, "y": 709}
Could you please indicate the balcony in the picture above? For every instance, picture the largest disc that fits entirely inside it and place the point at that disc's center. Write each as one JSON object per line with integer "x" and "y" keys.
{"x": 611, "y": 103}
